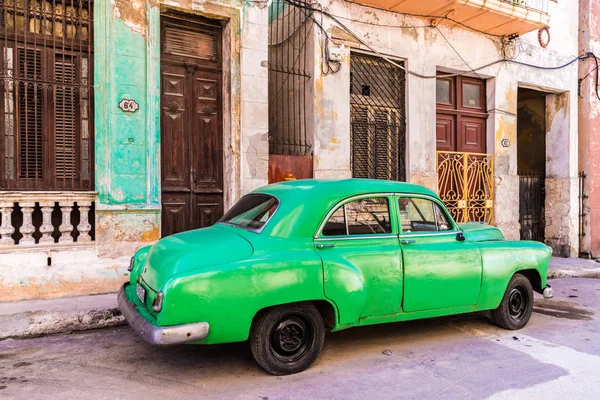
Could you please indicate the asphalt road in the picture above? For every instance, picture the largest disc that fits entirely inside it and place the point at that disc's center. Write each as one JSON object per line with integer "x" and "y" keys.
{"x": 557, "y": 356}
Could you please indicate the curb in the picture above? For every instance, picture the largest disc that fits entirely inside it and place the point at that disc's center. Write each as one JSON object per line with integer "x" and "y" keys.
{"x": 593, "y": 273}
{"x": 42, "y": 323}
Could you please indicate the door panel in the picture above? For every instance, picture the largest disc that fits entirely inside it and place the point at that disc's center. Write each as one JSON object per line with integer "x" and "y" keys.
{"x": 207, "y": 210}
{"x": 471, "y": 135}
{"x": 191, "y": 127}
{"x": 174, "y": 138}
{"x": 439, "y": 272}
{"x": 207, "y": 165}
{"x": 444, "y": 132}
{"x": 366, "y": 274}
{"x": 175, "y": 212}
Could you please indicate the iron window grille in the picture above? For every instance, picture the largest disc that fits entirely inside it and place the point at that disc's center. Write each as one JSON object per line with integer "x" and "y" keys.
{"x": 377, "y": 118}
{"x": 46, "y": 121}
{"x": 290, "y": 55}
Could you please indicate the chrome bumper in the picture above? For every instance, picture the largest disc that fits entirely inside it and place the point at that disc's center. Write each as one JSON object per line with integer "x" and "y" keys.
{"x": 159, "y": 335}
{"x": 547, "y": 293}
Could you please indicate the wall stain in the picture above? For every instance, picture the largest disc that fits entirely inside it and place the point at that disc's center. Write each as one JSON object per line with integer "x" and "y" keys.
{"x": 61, "y": 287}
{"x": 132, "y": 13}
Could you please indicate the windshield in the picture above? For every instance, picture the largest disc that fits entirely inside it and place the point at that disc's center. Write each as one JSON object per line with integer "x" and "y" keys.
{"x": 252, "y": 211}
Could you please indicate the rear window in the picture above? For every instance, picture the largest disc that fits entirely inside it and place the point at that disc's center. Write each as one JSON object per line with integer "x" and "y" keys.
{"x": 252, "y": 211}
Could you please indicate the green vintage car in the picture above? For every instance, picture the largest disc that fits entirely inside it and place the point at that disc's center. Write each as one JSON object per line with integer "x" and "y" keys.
{"x": 292, "y": 260}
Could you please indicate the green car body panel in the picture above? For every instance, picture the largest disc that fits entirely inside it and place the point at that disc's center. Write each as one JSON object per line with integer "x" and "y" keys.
{"x": 224, "y": 275}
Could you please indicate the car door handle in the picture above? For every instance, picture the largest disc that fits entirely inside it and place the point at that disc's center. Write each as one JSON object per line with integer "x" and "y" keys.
{"x": 411, "y": 241}
{"x": 324, "y": 245}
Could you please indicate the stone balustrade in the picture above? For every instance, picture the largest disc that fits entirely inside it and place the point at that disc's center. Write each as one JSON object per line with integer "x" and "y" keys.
{"x": 46, "y": 218}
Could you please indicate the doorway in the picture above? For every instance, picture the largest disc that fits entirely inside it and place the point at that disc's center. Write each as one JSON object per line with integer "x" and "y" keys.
{"x": 191, "y": 124}
{"x": 531, "y": 162}
{"x": 465, "y": 170}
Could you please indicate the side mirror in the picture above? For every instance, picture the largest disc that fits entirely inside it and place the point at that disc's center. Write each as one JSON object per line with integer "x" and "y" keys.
{"x": 460, "y": 237}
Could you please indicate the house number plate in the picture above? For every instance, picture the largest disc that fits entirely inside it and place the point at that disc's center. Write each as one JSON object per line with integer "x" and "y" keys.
{"x": 129, "y": 105}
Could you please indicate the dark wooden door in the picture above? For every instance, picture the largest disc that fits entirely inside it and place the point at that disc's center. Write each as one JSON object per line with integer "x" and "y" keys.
{"x": 191, "y": 125}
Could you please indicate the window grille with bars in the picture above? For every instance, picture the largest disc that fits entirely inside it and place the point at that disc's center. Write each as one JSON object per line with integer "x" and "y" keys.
{"x": 290, "y": 54}
{"x": 47, "y": 95}
{"x": 377, "y": 118}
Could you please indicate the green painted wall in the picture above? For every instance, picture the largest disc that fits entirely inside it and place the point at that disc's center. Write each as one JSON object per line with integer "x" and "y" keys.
{"x": 127, "y": 66}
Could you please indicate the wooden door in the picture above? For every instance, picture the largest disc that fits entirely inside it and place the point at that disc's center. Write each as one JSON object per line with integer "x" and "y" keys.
{"x": 191, "y": 125}
{"x": 461, "y": 115}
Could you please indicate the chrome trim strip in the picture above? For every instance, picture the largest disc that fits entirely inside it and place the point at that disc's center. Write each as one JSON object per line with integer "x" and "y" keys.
{"x": 417, "y": 234}
{"x": 350, "y": 237}
{"x": 344, "y": 202}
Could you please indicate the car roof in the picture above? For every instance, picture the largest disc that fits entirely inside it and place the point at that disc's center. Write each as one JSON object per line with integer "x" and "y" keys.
{"x": 303, "y": 203}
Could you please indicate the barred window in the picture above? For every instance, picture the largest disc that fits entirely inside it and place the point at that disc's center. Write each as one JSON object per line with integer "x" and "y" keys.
{"x": 377, "y": 118}
{"x": 46, "y": 125}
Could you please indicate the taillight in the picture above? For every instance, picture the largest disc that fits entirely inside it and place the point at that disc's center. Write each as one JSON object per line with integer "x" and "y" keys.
{"x": 131, "y": 262}
{"x": 157, "y": 303}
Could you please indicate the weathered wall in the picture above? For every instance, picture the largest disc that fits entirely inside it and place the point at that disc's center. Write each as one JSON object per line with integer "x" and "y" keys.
{"x": 426, "y": 51}
{"x": 127, "y": 65}
{"x": 589, "y": 128}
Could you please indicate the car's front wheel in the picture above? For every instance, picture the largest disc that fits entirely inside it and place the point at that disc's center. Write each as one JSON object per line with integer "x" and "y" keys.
{"x": 287, "y": 339}
{"x": 516, "y": 306}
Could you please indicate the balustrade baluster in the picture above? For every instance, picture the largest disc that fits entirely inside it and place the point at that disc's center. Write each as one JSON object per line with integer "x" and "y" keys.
{"x": 27, "y": 229}
{"x": 84, "y": 226}
{"x": 65, "y": 227}
{"x": 6, "y": 228}
{"x": 47, "y": 228}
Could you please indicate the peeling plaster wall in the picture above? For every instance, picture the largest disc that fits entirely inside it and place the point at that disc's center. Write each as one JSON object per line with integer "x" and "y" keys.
{"x": 561, "y": 179}
{"x": 127, "y": 154}
{"x": 589, "y": 128}
{"x": 425, "y": 51}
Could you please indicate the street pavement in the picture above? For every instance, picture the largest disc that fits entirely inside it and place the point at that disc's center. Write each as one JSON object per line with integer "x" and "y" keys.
{"x": 557, "y": 356}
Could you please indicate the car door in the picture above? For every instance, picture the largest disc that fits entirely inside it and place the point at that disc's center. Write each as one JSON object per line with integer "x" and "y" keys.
{"x": 440, "y": 271}
{"x": 362, "y": 264}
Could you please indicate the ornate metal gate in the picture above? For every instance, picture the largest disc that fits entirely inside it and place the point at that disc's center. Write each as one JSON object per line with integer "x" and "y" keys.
{"x": 466, "y": 184}
{"x": 377, "y": 118}
{"x": 531, "y": 205}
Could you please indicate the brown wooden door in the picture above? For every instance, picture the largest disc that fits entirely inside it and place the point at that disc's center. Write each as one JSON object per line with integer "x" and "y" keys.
{"x": 191, "y": 125}
{"x": 461, "y": 115}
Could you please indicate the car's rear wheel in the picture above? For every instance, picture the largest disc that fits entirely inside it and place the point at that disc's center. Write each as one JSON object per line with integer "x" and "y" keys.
{"x": 516, "y": 306}
{"x": 287, "y": 339}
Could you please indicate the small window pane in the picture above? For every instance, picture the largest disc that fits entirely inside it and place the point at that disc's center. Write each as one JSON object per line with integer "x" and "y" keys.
{"x": 251, "y": 211}
{"x": 336, "y": 225}
{"x": 471, "y": 95}
{"x": 442, "y": 88}
{"x": 443, "y": 223}
{"x": 368, "y": 216}
{"x": 417, "y": 215}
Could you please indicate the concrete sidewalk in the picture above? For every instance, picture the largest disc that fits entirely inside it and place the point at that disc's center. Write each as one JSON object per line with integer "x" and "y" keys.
{"x": 33, "y": 318}
{"x": 573, "y": 268}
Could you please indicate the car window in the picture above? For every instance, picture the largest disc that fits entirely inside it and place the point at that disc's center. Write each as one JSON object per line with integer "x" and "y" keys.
{"x": 422, "y": 215}
{"x": 251, "y": 211}
{"x": 360, "y": 217}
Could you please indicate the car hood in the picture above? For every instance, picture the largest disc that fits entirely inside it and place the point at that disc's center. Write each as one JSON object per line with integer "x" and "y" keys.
{"x": 193, "y": 250}
{"x": 480, "y": 232}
